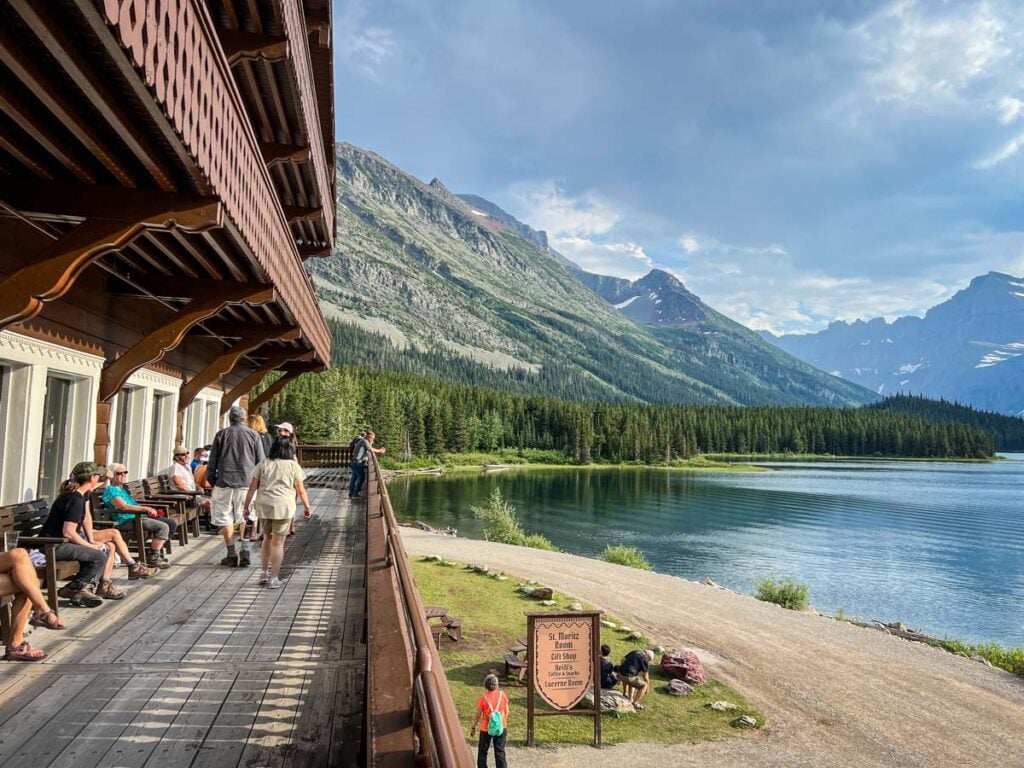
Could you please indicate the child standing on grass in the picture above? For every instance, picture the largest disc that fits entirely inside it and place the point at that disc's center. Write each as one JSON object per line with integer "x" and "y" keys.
{"x": 492, "y": 709}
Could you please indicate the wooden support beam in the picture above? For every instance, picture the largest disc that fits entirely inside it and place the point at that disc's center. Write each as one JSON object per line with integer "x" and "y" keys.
{"x": 169, "y": 334}
{"x": 87, "y": 201}
{"x": 292, "y": 373}
{"x": 178, "y": 289}
{"x": 251, "y": 46}
{"x": 311, "y": 251}
{"x": 225, "y": 362}
{"x": 245, "y": 386}
{"x": 275, "y": 154}
{"x": 54, "y": 271}
{"x": 296, "y": 213}
{"x": 233, "y": 330}
{"x": 319, "y": 23}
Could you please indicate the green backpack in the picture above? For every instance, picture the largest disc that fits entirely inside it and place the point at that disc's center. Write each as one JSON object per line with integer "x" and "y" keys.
{"x": 495, "y": 727}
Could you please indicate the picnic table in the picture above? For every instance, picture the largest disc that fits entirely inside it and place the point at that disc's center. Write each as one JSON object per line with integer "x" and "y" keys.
{"x": 435, "y": 611}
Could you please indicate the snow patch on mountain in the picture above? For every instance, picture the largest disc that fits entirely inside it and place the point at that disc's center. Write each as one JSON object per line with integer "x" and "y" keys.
{"x": 1001, "y": 355}
{"x": 626, "y": 303}
{"x": 475, "y": 212}
{"x": 908, "y": 367}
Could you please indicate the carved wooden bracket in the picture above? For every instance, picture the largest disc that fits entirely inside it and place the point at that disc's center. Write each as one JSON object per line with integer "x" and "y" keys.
{"x": 245, "y": 386}
{"x": 293, "y": 372}
{"x": 250, "y": 46}
{"x": 273, "y": 154}
{"x": 225, "y": 362}
{"x": 296, "y": 213}
{"x": 169, "y": 334}
{"x": 54, "y": 271}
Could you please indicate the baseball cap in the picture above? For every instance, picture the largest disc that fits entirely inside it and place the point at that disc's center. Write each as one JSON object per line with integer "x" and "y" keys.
{"x": 87, "y": 469}
{"x": 286, "y": 425}
{"x": 180, "y": 449}
{"x": 236, "y": 412}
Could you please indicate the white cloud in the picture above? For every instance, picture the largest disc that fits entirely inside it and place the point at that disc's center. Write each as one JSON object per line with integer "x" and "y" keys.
{"x": 1005, "y": 152}
{"x": 365, "y": 48}
{"x": 1010, "y": 109}
{"x": 621, "y": 259}
{"x": 690, "y": 243}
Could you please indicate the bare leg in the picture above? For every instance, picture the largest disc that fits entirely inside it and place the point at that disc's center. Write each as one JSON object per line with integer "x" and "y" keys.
{"x": 276, "y": 551}
{"x": 228, "y": 532}
{"x": 20, "y": 610}
{"x": 265, "y": 551}
{"x": 108, "y": 569}
{"x": 17, "y": 574}
{"x": 113, "y": 536}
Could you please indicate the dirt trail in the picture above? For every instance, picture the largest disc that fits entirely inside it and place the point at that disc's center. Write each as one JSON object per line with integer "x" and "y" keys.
{"x": 835, "y": 694}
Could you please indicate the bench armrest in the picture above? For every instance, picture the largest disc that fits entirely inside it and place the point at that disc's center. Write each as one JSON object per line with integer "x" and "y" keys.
{"x": 44, "y": 540}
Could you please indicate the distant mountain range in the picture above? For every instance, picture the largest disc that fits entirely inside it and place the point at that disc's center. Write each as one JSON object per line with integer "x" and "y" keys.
{"x": 969, "y": 349}
{"x": 425, "y": 281}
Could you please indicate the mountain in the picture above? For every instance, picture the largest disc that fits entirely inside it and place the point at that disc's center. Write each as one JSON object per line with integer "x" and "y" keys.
{"x": 969, "y": 349}
{"x": 422, "y": 281}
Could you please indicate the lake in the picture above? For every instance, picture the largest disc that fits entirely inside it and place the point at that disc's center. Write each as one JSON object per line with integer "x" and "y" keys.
{"x": 935, "y": 545}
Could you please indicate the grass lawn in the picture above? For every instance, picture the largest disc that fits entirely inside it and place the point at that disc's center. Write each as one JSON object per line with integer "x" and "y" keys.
{"x": 493, "y": 616}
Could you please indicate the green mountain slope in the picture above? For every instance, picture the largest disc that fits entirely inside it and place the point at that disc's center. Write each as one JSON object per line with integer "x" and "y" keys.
{"x": 422, "y": 282}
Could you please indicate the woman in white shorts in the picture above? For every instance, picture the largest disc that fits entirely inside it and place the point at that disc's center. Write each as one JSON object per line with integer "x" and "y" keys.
{"x": 278, "y": 480}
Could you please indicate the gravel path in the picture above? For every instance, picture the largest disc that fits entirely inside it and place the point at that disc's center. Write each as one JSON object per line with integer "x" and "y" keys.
{"x": 835, "y": 694}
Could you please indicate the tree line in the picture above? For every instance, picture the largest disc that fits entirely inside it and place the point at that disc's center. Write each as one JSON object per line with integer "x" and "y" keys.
{"x": 1007, "y": 431}
{"x": 420, "y": 417}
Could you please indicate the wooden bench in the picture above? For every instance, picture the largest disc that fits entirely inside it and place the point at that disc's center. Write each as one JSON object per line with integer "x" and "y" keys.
{"x": 101, "y": 516}
{"x": 514, "y": 663}
{"x": 186, "y": 502}
{"x": 172, "y": 509}
{"x": 28, "y": 521}
{"x": 200, "y": 514}
{"x": 452, "y": 628}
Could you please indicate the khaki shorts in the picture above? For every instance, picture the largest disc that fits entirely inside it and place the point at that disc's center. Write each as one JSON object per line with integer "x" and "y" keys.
{"x": 632, "y": 682}
{"x": 276, "y": 527}
{"x": 227, "y": 506}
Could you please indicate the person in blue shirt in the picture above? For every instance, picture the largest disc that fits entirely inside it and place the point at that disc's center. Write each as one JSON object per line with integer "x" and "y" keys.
{"x": 117, "y": 499}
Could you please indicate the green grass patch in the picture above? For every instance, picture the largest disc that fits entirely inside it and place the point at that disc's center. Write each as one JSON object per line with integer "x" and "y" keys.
{"x": 551, "y": 459}
{"x": 1010, "y": 659}
{"x": 630, "y": 556}
{"x": 493, "y": 617}
{"x": 785, "y": 592}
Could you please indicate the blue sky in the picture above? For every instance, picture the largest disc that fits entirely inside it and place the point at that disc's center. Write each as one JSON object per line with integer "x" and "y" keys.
{"x": 793, "y": 162}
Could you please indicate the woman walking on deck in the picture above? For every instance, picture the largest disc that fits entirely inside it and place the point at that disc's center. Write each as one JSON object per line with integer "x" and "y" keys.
{"x": 278, "y": 480}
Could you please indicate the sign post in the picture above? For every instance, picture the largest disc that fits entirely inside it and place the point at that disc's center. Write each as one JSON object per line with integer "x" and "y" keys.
{"x": 564, "y": 661}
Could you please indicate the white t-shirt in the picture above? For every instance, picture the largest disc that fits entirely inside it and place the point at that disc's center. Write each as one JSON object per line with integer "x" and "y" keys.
{"x": 182, "y": 471}
{"x": 276, "y": 497}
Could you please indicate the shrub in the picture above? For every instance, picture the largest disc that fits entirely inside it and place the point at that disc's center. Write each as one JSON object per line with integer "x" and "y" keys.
{"x": 501, "y": 524}
{"x": 785, "y": 592}
{"x": 1010, "y": 659}
{"x": 630, "y": 556}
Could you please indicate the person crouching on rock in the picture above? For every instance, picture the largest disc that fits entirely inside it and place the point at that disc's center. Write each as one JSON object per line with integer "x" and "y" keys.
{"x": 634, "y": 676}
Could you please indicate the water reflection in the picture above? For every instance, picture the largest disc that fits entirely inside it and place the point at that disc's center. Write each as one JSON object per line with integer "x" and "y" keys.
{"x": 933, "y": 544}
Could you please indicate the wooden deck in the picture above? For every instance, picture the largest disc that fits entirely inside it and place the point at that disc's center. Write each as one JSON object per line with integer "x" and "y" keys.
{"x": 202, "y": 667}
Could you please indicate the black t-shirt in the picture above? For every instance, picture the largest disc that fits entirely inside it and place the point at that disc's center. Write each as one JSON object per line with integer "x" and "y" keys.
{"x": 634, "y": 664}
{"x": 68, "y": 508}
{"x": 607, "y": 674}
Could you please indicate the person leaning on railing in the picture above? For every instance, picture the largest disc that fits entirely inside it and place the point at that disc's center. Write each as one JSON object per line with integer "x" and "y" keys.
{"x": 362, "y": 447}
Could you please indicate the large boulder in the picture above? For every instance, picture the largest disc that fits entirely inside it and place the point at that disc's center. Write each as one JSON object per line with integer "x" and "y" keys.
{"x": 611, "y": 701}
{"x": 684, "y": 665}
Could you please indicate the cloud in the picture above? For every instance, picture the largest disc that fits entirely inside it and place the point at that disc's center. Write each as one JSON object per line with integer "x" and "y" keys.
{"x": 689, "y": 243}
{"x": 363, "y": 47}
{"x": 1005, "y": 152}
{"x": 1010, "y": 109}
{"x": 621, "y": 259}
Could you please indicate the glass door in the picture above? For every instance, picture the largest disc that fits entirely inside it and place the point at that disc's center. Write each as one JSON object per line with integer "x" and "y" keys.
{"x": 53, "y": 452}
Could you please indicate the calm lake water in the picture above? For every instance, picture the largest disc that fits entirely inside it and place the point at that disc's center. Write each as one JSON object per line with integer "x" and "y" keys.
{"x": 936, "y": 545}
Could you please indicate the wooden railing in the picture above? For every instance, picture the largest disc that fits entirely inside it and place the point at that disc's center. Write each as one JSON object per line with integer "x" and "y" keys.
{"x": 325, "y": 455}
{"x": 410, "y": 716}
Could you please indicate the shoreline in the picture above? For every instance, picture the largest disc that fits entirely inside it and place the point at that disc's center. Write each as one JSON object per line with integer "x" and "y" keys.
{"x": 834, "y": 693}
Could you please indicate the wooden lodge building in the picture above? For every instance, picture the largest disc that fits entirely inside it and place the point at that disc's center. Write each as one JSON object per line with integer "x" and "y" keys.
{"x": 166, "y": 166}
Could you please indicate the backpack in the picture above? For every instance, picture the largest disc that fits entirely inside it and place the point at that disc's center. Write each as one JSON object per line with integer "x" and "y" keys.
{"x": 495, "y": 726}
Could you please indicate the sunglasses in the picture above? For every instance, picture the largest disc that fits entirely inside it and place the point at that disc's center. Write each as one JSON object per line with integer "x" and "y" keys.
{"x": 122, "y": 473}
{"x": 179, "y": 455}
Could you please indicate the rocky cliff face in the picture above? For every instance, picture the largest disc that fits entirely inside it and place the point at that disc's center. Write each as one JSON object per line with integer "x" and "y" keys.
{"x": 969, "y": 349}
{"x": 468, "y": 291}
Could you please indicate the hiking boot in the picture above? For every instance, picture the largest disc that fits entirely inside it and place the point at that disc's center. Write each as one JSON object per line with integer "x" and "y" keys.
{"x": 243, "y": 559}
{"x": 231, "y": 561}
{"x": 274, "y": 583}
{"x": 86, "y": 597}
{"x": 70, "y": 589}
{"x": 108, "y": 591}
{"x": 157, "y": 560}
{"x": 139, "y": 571}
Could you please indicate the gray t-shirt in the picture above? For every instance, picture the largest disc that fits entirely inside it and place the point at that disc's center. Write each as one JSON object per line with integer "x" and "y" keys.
{"x": 235, "y": 453}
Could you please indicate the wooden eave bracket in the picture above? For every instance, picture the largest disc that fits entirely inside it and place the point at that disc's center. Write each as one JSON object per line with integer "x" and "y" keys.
{"x": 245, "y": 386}
{"x": 57, "y": 267}
{"x": 319, "y": 23}
{"x": 225, "y": 362}
{"x": 251, "y": 46}
{"x": 278, "y": 154}
{"x": 295, "y": 213}
{"x": 165, "y": 338}
{"x": 294, "y": 371}
{"x": 311, "y": 251}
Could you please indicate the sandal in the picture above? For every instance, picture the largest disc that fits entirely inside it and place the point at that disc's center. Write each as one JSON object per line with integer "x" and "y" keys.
{"x": 47, "y": 620}
{"x": 24, "y": 652}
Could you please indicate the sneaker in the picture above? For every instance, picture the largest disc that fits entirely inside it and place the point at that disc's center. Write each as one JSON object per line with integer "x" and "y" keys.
{"x": 243, "y": 559}
{"x": 231, "y": 561}
{"x": 274, "y": 583}
{"x": 108, "y": 591}
{"x": 70, "y": 589}
{"x": 139, "y": 571}
{"x": 264, "y": 578}
{"x": 86, "y": 597}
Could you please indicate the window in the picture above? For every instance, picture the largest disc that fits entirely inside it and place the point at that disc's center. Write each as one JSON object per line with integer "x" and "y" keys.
{"x": 159, "y": 435}
{"x": 212, "y": 415}
{"x": 122, "y": 426}
{"x": 56, "y": 426}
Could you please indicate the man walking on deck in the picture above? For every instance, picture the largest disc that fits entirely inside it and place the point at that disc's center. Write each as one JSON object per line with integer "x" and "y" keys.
{"x": 236, "y": 451}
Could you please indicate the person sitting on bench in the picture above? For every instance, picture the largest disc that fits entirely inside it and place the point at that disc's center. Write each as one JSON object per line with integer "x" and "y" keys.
{"x": 117, "y": 499}
{"x": 112, "y": 538}
{"x": 66, "y": 520}
{"x": 18, "y": 578}
{"x": 183, "y": 480}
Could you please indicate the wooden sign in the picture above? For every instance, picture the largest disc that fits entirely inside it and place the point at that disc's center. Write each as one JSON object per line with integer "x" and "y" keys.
{"x": 564, "y": 663}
